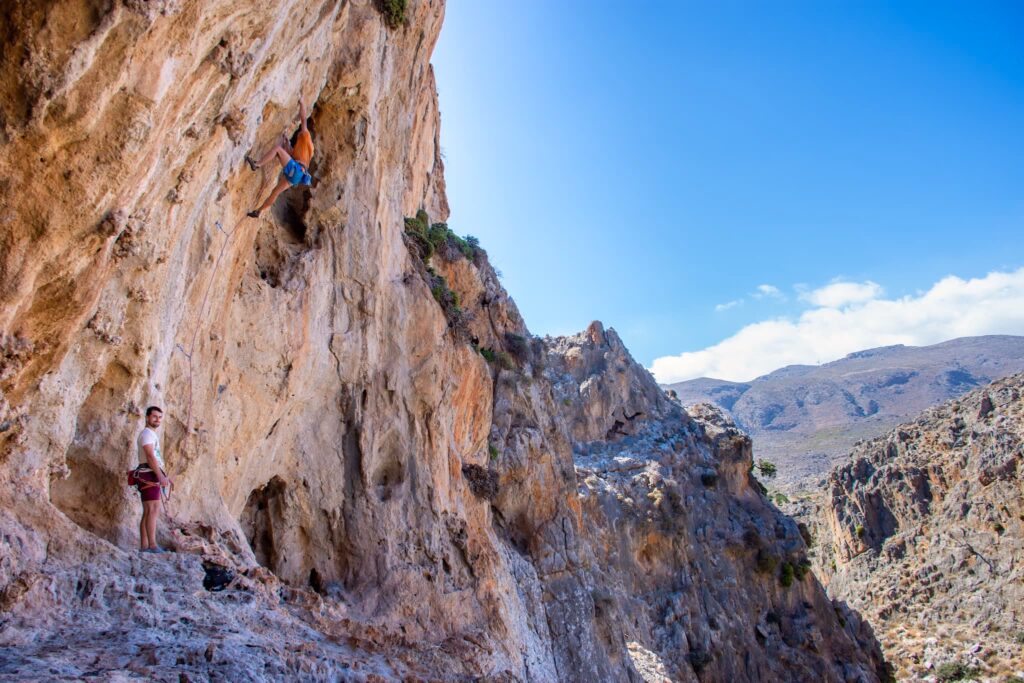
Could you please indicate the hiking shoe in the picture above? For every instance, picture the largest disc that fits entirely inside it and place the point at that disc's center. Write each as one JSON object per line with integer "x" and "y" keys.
{"x": 255, "y": 213}
{"x": 252, "y": 162}
{"x": 156, "y": 551}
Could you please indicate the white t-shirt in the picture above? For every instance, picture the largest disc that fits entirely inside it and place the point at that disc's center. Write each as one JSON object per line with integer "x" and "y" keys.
{"x": 148, "y": 436}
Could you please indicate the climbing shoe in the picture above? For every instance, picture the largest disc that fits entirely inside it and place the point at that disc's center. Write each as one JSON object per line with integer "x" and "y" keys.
{"x": 252, "y": 162}
{"x": 255, "y": 213}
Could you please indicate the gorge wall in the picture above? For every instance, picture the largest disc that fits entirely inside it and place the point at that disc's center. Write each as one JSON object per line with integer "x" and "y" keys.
{"x": 393, "y": 503}
{"x": 923, "y": 531}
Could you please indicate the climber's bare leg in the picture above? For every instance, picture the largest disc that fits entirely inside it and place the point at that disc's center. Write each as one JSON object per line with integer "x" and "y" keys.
{"x": 281, "y": 186}
{"x": 282, "y": 156}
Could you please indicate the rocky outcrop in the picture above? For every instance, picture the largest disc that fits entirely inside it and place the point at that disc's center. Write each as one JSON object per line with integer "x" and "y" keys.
{"x": 379, "y": 473}
{"x": 923, "y": 531}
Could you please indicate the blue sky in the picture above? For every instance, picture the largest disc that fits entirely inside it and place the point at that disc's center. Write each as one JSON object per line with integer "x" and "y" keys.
{"x": 651, "y": 165}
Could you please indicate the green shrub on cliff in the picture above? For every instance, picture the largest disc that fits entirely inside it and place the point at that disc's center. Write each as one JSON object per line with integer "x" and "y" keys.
{"x": 518, "y": 346}
{"x": 766, "y": 468}
{"x": 786, "y": 575}
{"x": 801, "y": 568}
{"x": 437, "y": 238}
{"x": 416, "y": 229}
{"x": 699, "y": 659}
{"x": 765, "y": 562}
{"x": 393, "y": 11}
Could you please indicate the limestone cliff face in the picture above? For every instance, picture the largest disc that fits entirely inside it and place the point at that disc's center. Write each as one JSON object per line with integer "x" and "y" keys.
{"x": 922, "y": 530}
{"x": 392, "y": 505}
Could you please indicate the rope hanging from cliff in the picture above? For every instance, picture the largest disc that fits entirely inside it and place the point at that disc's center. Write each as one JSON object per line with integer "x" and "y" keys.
{"x": 202, "y": 316}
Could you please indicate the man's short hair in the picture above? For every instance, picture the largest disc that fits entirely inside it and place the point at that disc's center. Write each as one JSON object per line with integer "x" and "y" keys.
{"x": 154, "y": 409}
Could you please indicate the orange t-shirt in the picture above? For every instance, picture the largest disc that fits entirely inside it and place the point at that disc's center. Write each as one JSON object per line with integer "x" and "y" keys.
{"x": 302, "y": 151}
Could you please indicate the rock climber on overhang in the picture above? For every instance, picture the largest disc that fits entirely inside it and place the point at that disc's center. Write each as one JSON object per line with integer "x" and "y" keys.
{"x": 294, "y": 160}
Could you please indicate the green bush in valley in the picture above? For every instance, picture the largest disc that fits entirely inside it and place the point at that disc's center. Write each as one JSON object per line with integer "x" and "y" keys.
{"x": 859, "y": 530}
{"x": 488, "y": 354}
{"x": 493, "y": 451}
{"x": 956, "y": 671}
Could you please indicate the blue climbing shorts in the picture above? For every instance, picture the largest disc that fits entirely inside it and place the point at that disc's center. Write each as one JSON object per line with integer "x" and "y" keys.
{"x": 295, "y": 174}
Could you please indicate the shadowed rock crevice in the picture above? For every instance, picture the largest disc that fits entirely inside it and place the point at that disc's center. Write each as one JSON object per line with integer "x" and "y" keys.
{"x": 263, "y": 521}
{"x": 283, "y": 245}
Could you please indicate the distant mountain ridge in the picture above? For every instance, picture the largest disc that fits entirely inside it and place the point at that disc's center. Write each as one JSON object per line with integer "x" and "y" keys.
{"x": 806, "y": 417}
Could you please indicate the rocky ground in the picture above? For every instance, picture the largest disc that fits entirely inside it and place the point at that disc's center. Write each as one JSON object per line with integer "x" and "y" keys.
{"x": 923, "y": 532}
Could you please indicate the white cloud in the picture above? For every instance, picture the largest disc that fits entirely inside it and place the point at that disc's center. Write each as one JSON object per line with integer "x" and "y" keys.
{"x": 770, "y": 291}
{"x": 848, "y": 320}
{"x": 839, "y": 294}
{"x": 727, "y": 305}
{"x": 762, "y": 292}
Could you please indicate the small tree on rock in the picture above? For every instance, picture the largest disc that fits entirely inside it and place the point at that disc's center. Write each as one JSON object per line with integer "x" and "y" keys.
{"x": 766, "y": 468}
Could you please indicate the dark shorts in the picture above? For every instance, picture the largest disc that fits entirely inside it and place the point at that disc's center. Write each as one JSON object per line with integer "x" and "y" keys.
{"x": 151, "y": 492}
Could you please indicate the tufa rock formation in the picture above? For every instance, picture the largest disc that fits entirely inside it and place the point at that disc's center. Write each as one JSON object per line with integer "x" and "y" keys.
{"x": 923, "y": 531}
{"x": 379, "y": 474}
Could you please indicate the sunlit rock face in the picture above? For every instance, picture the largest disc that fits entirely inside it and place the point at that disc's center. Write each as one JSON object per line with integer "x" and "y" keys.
{"x": 402, "y": 486}
{"x": 923, "y": 531}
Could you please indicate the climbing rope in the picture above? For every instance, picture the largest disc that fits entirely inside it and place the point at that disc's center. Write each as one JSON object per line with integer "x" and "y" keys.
{"x": 228, "y": 234}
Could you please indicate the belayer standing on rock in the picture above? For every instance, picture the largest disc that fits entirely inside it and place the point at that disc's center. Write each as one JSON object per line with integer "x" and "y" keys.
{"x": 151, "y": 480}
{"x": 294, "y": 160}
